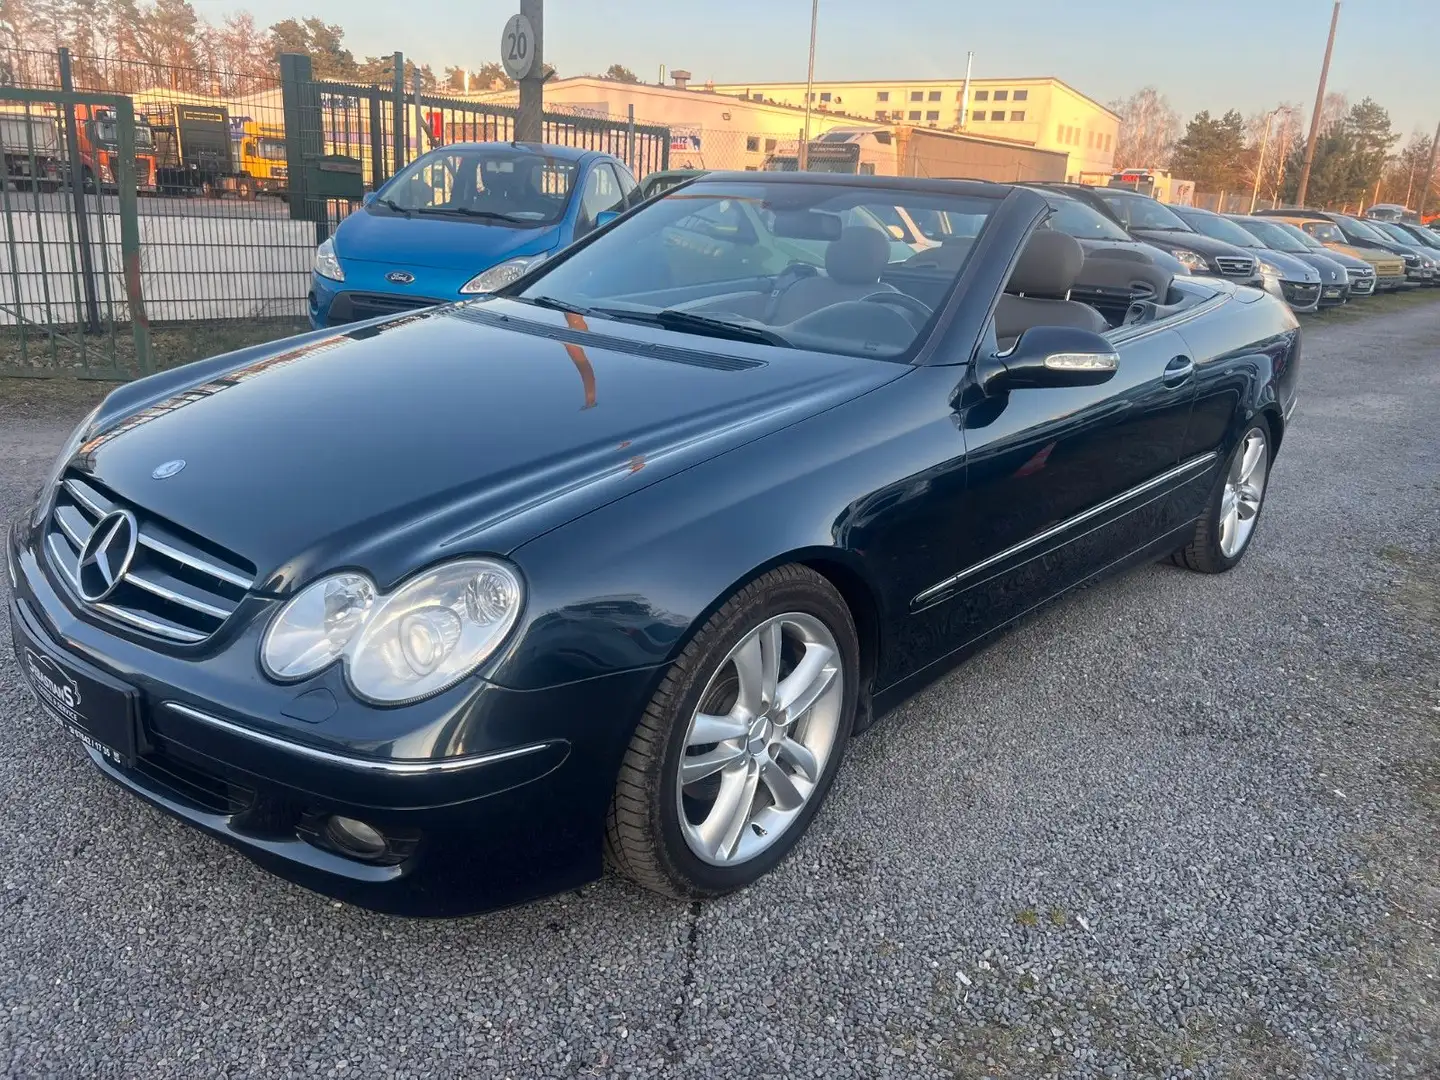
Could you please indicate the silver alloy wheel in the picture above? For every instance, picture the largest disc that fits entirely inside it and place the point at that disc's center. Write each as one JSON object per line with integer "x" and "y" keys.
{"x": 1244, "y": 491}
{"x": 749, "y": 766}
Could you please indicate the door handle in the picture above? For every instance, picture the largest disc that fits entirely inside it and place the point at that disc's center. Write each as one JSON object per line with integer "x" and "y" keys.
{"x": 1178, "y": 371}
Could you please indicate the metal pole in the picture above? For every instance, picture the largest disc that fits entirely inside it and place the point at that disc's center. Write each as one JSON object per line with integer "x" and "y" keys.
{"x": 75, "y": 179}
{"x": 130, "y": 235}
{"x": 397, "y": 111}
{"x": 1315, "y": 116}
{"x": 1260, "y": 163}
{"x": 804, "y": 158}
{"x": 630, "y": 137}
{"x": 1429, "y": 177}
{"x": 530, "y": 117}
{"x": 965, "y": 93}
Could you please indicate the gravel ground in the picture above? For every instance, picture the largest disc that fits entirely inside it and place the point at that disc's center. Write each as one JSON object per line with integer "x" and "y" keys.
{"x": 1177, "y": 826}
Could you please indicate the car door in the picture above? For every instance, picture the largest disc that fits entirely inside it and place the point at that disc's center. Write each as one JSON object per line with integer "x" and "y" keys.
{"x": 1061, "y": 483}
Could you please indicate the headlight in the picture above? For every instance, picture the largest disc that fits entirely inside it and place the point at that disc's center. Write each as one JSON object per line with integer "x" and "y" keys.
{"x": 500, "y": 275}
{"x": 72, "y": 444}
{"x": 415, "y": 642}
{"x": 1270, "y": 269}
{"x": 1196, "y": 264}
{"x": 327, "y": 263}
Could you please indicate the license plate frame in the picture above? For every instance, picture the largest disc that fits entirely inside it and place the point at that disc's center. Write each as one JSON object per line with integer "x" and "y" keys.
{"x": 101, "y": 712}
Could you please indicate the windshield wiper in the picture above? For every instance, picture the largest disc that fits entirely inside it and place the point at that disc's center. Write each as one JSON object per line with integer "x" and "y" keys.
{"x": 688, "y": 322}
{"x": 468, "y": 211}
{"x": 391, "y": 204}
{"x": 553, "y": 304}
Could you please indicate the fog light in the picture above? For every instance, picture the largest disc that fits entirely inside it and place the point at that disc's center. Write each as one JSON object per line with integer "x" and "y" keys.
{"x": 355, "y": 837}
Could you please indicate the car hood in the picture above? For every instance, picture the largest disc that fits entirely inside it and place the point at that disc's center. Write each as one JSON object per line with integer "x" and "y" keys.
{"x": 441, "y": 243}
{"x": 1290, "y": 267}
{"x": 463, "y": 429}
{"x": 1332, "y": 267}
{"x": 1198, "y": 242}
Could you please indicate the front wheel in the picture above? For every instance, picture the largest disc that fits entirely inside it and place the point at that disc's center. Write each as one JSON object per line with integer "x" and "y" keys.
{"x": 738, "y": 747}
{"x": 1223, "y": 535}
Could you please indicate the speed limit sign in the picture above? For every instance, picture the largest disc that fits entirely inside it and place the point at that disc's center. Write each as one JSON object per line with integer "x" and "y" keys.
{"x": 517, "y": 47}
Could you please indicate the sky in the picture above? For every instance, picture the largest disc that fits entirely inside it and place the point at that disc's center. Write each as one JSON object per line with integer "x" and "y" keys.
{"x": 1202, "y": 54}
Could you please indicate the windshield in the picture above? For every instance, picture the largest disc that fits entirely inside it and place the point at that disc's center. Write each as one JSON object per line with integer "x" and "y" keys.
{"x": 1082, "y": 222}
{"x": 1326, "y": 232}
{"x": 1138, "y": 212}
{"x": 1221, "y": 229}
{"x": 800, "y": 265}
{"x": 108, "y": 134}
{"x": 1305, "y": 238}
{"x": 495, "y": 182}
{"x": 272, "y": 149}
{"x": 1274, "y": 236}
{"x": 1394, "y": 232}
{"x": 1366, "y": 232}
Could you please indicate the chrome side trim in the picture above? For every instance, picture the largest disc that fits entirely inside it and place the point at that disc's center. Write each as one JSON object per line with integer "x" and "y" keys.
{"x": 159, "y": 629}
{"x": 1193, "y": 465}
{"x": 393, "y": 768}
{"x": 175, "y": 597}
{"x": 195, "y": 563}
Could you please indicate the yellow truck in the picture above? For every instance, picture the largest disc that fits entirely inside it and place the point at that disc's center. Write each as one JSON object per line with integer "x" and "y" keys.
{"x": 260, "y": 150}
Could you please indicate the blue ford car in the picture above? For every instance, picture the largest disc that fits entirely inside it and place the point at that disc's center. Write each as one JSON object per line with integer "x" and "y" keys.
{"x": 462, "y": 220}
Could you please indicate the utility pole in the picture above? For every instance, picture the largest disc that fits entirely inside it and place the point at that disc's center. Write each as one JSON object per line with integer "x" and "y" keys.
{"x": 804, "y": 156}
{"x": 965, "y": 93}
{"x": 1260, "y": 162}
{"x": 529, "y": 118}
{"x": 1315, "y": 116}
{"x": 1429, "y": 177}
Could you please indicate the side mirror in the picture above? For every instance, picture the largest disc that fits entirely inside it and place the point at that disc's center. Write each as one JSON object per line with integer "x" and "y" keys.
{"x": 367, "y": 198}
{"x": 604, "y": 217}
{"x": 1050, "y": 356}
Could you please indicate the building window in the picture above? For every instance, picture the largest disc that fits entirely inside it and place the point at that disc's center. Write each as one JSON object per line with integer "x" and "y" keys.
{"x": 998, "y": 114}
{"x": 881, "y": 114}
{"x": 917, "y": 95}
{"x": 914, "y": 114}
{"x": 1107, "y": 142}
{"x": 933, "y": 115}
{"x": 934, "y": 95}
{"x": 824, "y": 97}
{"x": 752, "y": 168}
{"x": 1060, "y": 133}
{"x": 752, "y": 143}
{"x": 867, "y": 168}
{"x": 1021, "y": 95}
{"x": 1002, "y": 95}
{"x": 982, "y": 95}
{"x": 769, "y": 146}
{"x": 882, "y": 95}
{"x": 1017, "y": 114}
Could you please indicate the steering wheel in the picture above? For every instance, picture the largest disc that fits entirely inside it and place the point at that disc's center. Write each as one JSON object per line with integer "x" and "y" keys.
{"x": 900, "y": 300}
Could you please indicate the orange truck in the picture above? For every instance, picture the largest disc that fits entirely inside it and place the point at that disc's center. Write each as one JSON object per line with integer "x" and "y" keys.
{"x": 100, "y": 145}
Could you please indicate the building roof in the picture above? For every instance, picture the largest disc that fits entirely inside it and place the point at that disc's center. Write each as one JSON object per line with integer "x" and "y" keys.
{"x": 974, "y": 80}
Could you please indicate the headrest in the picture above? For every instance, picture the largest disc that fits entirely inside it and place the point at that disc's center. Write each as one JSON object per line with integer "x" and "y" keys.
{"x": 1048, "y": 266}
{"x": 859, "y": 256}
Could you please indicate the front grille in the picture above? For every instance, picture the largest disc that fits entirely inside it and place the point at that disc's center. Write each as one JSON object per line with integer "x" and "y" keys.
{"x": 1235, "y": 265}
{"x": 1411, "y": 260}
{"x": 279, "y": 172}
{"x": 357, "y": 306}
{"x": 176, "y": 587}
{"x": 189, "y": 784}
{"x": 1298, "y": 293}
{"x": 1362, "y": 286}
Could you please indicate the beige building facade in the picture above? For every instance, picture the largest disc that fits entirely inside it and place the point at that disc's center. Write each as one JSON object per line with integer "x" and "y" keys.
{"x": 1045, "y": 113}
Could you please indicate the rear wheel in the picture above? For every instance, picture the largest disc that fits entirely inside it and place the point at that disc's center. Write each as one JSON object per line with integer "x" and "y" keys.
{"x": 738, "y": 748}
{"x": 1223, "y": 535}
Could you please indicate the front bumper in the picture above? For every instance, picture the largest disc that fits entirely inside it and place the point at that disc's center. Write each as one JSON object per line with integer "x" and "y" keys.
{"x": 1302, "y": 296}
{"x": 519, "y": 814}
{"x": 1389, "y": 282}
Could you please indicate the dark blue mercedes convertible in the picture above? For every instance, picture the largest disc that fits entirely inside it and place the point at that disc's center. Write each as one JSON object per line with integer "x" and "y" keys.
{"x": 443, "y": 611}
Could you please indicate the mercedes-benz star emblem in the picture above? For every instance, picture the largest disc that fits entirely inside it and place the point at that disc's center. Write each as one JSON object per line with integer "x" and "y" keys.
{"x": 400, "y": 277}
{"x": 106, "y": 556}
{"x": 168, "y": 469}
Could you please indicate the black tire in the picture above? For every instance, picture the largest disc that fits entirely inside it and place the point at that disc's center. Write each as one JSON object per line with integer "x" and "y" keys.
{"x": 643, "y": 837}
{"x": 1203, "y": 553}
